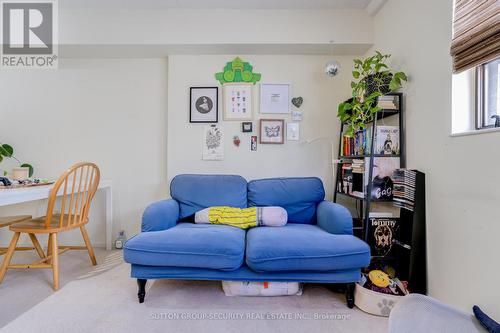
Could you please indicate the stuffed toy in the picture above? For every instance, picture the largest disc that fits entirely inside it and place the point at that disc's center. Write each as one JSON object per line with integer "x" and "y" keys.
{"x": 243, "y": 218}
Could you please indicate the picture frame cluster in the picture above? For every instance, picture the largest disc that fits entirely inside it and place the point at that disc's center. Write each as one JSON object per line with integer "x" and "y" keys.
{"x": 238, "y": 101}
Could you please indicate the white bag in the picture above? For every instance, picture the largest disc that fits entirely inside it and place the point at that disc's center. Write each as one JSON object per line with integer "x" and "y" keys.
{"x": 246, "y": 288}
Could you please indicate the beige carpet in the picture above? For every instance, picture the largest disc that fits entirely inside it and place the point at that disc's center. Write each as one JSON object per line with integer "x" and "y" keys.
{"x": 23, "y": 289}
{"x": 105, "y": 301}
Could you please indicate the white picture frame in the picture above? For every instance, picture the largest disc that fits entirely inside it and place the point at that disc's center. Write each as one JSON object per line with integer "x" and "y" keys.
{"x": 275, "y": 98}
{"x": 292, "y": 131}
{"x": 237, "y": 101}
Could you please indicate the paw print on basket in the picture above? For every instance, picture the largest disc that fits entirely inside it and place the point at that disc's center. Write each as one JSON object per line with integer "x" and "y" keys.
{"x": 385, "y": 307}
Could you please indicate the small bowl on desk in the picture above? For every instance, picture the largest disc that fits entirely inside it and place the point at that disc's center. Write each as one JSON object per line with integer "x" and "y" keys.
{"x": 20, "y": 174}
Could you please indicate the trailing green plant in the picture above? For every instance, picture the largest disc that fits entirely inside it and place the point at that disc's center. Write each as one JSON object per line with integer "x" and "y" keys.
{"x": 7, "y": 151}
{"x": 372, "y": 78}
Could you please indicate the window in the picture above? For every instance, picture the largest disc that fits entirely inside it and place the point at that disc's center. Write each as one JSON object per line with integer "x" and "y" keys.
{"x": 488, "y": 94}
{"x": 475, "y": 52}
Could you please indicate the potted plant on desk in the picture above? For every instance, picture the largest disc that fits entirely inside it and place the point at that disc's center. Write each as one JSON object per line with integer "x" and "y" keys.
{"x": 372, "y": 78}
{"x": 6, "y": 151}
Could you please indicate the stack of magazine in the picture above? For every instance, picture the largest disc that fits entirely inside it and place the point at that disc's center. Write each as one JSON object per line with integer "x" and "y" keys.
{"x": 404, "y": 188}
{"x": 388, "y": 102}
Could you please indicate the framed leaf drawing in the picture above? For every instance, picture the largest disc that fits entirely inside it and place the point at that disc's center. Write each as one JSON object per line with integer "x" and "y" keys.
{"x": 213, "y": 144}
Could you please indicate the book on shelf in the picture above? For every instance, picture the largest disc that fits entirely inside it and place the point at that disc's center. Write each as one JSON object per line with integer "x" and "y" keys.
{"x": 387, "y": 140}
{"x": 381, "y": 214}
{"x": 346, "y": 145}
{"x": 351, "y": 178}
{"x": 345, "y": 184}
{"x": 357, "y": 145}
{"x": 355, "y": 173}
{"x": 388, "y": 98}
{"x": 358, "y": 194}
{"x": 358, "y": 165}
{"x": 388, "y": 102}
{"x": 382, "y": 182}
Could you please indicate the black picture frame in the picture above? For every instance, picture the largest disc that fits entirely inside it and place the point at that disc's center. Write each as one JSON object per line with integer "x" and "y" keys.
{"x": 247, "y": 127}
{"x": 214, "y": 111}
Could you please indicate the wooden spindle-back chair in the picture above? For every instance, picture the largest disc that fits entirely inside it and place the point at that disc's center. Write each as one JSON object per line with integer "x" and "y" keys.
{"x": 76, "y": 187}
{"x": 6, "y": 221}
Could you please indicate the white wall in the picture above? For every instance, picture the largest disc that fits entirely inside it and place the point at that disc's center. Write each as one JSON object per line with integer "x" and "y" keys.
{"x": 305, "y": 73}
{"x": 118, "y": 26}
{"x": 124, "y": 102}
{"x": 112, "y": 112}
{"x": 463, "y": 187}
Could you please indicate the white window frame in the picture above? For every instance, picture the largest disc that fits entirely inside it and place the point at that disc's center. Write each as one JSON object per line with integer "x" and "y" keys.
{"x": 480, "y": 96}
{"x": 468, "y": 103}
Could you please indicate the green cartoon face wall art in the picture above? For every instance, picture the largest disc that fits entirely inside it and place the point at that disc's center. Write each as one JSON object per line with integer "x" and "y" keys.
{"x": 238, "y": 71}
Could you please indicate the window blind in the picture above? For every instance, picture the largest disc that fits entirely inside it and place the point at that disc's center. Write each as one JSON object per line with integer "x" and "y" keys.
{"x": 476, "y": 33}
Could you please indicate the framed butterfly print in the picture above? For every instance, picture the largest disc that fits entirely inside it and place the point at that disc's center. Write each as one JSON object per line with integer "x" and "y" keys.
{"x": 272, "y": 131}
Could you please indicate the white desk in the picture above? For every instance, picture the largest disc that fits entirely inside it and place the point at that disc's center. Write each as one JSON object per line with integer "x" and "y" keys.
{"x": 26, "y": 194}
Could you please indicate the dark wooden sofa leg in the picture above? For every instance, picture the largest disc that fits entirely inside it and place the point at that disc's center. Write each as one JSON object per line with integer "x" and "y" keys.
{"x": 349, "y": 295}
{"x": 141, "y": 283}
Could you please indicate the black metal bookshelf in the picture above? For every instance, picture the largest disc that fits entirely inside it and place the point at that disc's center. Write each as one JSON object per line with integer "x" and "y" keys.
{"x": 366, "y": 201}
{"x": 409, "y": 258}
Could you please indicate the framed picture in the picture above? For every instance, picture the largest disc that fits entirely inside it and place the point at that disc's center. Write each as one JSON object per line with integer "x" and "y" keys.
{"x": 213, "y": 143}
{"x": 237, "y": 101}
{"x": 204, "y": 104}
{"x": 274, "y": 98}
{"x": 272, "y": 131}
{"x": 253, "y": 143}
{"x": 247, "y": 127}
{"x": 292, "y": 131}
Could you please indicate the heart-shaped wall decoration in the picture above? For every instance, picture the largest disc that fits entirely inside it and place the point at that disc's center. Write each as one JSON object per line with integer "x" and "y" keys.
{"x": 297, "y": 101}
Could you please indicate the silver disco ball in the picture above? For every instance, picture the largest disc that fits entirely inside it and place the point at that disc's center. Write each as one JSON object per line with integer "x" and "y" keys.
{"x": 332, "y": 68}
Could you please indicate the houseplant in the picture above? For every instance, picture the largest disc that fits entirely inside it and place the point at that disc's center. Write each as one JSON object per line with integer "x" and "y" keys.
{"x": 372, "y": 78}
{"x": 7, "y": 151}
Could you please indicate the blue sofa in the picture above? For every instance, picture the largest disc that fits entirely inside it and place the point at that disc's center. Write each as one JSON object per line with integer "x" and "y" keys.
{"x": 316, "y": 245}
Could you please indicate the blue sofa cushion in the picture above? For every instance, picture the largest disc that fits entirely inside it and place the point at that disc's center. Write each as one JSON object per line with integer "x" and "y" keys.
{"x": 299, "y": 196}
{"x": 303, "y": 247}
{"x": 189, "y": 245}
{"x": 197, "y": 192}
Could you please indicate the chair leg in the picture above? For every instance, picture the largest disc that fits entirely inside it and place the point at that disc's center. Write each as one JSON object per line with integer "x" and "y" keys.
{"x": 55, "y": 260}
{"x": 49, "y": 249}
{"x": 8, "y": 255}
{"x": 88, "y": 245}
{"x": 38, "y": 248}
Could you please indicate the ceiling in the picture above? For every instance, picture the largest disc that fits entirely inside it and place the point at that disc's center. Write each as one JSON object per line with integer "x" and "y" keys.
{"x": 217, "y": 4}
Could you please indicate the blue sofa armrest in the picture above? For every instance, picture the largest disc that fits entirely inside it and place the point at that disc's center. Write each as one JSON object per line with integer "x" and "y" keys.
{"x": 160, "y": 215}
{"x": 334, "y": 218}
